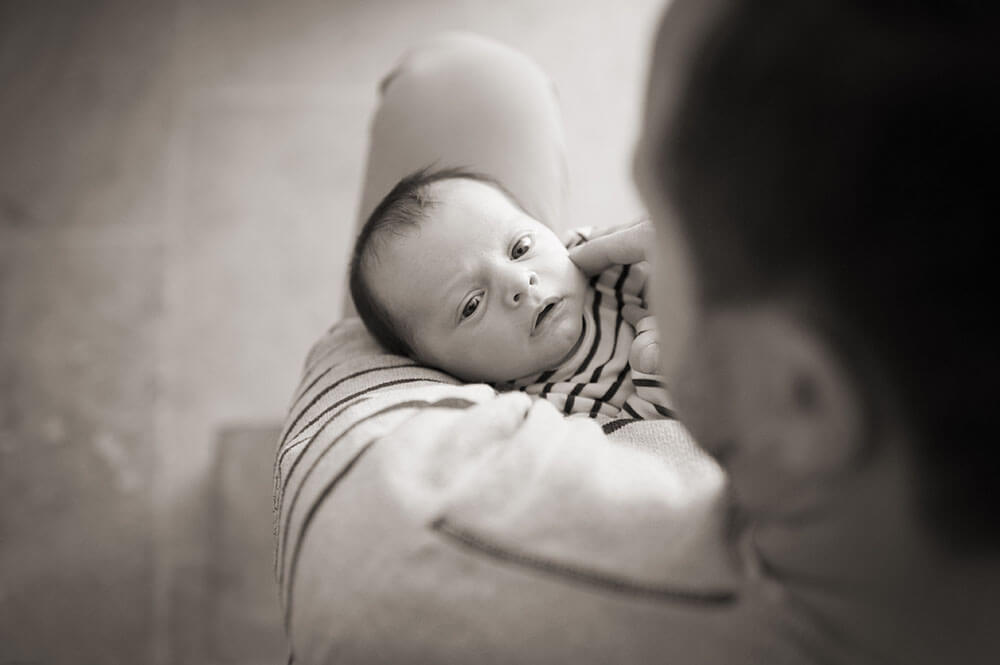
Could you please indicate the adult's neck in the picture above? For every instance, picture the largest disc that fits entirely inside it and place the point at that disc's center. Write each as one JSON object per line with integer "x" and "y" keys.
{"x": 868, "y": 570}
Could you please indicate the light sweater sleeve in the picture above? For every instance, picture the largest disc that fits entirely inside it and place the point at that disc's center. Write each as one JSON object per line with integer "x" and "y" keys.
{"x": 419, "y": 520}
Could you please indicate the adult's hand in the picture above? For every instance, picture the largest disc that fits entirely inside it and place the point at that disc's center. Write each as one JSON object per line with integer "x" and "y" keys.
{"x": 616, "y": 245}
{"x": 644, "y": 354}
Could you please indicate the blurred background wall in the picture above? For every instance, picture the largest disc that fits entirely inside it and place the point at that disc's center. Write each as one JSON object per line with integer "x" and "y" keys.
{"x": 178, "y": 185}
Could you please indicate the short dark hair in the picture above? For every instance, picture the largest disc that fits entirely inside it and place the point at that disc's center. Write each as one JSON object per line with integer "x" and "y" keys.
{"x": 840, "y": 149}
{"x": 405, "y": 205}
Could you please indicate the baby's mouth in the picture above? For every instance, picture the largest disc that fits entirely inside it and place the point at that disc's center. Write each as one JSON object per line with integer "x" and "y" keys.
{"x": 544, "y": 310}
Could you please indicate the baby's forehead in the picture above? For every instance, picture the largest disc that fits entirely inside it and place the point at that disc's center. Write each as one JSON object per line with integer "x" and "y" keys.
{"x": 471, "y": 192}
{"x": 470, "y": 207}
{"x": 465, "y": 185}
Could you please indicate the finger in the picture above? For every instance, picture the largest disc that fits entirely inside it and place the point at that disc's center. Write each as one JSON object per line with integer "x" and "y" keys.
{"x": 647, "y": 324}
{"x": 649, "y": 359}
{"x": 499, "y": 418}
{"x": 608, "y": 230}
{"x": 644, "y": 356}
{"x": 478, "y": 431}
{"x": 625, "y": 246}
{"x": 634, "y": 314}
{"x": 540, "y": 421}
{"x": 429, "y": 455}
{"x": 613, "y": 249}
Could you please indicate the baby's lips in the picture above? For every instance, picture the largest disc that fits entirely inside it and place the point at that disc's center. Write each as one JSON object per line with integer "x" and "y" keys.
{"x": 536, "y": 312}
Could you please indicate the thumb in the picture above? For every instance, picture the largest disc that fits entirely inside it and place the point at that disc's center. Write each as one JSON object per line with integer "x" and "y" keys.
{"x": 646, "y": 359}
{"x": 623, "y": 246}
{"x": 500, "y": 418}
{"x": 634, "y": 314}
{"x": 442, "y": 445}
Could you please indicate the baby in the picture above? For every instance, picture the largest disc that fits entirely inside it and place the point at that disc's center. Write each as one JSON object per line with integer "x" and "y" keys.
{"x": 450, "y": 271}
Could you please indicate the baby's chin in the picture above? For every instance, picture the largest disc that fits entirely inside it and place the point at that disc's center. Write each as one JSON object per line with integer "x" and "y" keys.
{"x": 560, "y": 346}
{"x": 563, "y": 342}
{"x": 570, "y": 342}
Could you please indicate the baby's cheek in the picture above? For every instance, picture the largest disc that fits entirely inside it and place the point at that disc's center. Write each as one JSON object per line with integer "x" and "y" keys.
{"x": 503, "y": 356}
{"x": 575, "y": 280}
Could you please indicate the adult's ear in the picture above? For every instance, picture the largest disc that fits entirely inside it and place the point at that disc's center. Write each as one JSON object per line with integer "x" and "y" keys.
{"x": 771, "y": 399}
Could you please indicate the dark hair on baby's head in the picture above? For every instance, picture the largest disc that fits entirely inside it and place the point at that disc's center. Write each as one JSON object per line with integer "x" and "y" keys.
{"x": 406, "y": 205}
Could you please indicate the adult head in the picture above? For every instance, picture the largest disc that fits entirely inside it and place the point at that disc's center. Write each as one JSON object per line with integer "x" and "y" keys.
{"x": 815, "y": 172}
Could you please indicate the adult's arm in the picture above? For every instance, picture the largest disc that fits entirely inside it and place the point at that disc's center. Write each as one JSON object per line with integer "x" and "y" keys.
{"x": 419, "y": 520}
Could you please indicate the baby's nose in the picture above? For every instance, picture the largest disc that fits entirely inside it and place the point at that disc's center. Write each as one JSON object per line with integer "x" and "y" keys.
{"x": 521, "y": 287}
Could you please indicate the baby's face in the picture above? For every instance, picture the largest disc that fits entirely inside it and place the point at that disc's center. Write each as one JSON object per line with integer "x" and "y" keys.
{"x": 487, "y": 292}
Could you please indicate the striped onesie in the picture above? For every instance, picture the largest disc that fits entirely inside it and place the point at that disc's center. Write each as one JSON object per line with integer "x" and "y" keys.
{"x": 597, "y": 379}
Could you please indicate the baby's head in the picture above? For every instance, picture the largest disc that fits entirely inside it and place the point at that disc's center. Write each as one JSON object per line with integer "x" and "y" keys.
{"x": 450, "y": 270}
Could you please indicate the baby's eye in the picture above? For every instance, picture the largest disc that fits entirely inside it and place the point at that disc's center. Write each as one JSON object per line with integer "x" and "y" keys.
{"x": 521, "y": 247}
{"x": 470, "y": 307}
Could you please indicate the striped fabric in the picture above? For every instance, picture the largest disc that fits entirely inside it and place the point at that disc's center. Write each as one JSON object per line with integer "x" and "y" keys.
{"x": 598, "y": 380}
{"x": 352, "y": 394}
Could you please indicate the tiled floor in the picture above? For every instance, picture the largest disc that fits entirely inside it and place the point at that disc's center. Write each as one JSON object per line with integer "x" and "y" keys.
{"x": 178, "y": 182}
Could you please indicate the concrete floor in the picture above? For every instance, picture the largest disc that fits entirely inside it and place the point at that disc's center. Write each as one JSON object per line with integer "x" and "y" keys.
{"x": 178, "y": 183}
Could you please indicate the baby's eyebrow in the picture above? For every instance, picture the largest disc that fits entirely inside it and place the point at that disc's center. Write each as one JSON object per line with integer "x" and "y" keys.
{"x": 452, "y": 295}
{"x": 452, "y": 284}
